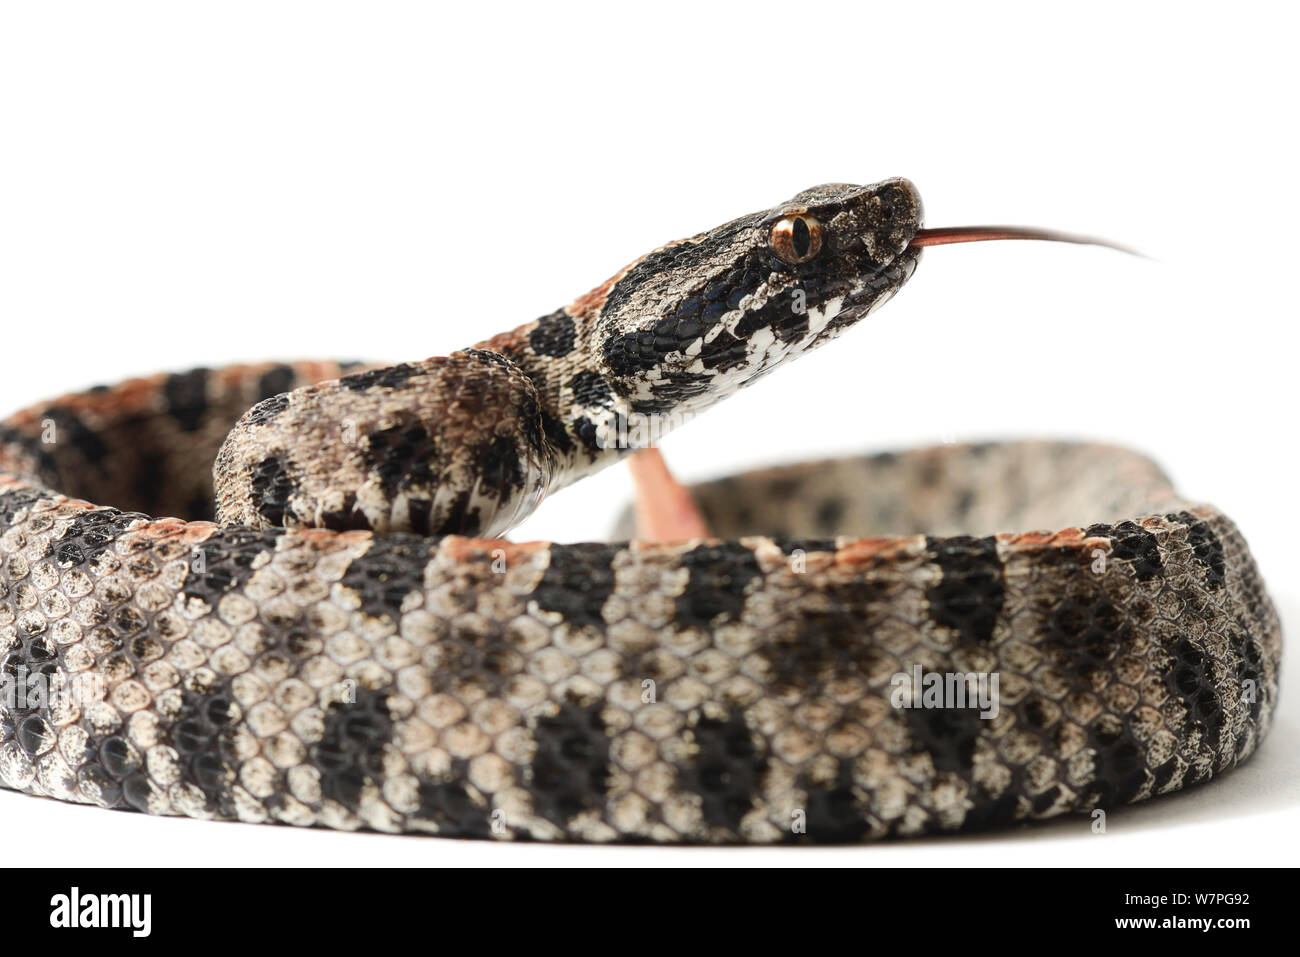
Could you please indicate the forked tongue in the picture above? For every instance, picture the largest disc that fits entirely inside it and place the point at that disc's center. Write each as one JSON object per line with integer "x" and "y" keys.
{"x": 945, "y": 235}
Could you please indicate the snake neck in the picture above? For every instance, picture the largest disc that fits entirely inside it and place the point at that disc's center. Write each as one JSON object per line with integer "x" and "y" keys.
{"x": 585, "y": 423}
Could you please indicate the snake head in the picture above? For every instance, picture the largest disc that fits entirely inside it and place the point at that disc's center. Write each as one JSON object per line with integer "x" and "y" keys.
{"x": 696, "y": 320}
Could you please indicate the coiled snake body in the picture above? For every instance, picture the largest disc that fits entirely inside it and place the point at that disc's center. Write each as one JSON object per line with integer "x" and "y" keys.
{"x": 337, "y": 650}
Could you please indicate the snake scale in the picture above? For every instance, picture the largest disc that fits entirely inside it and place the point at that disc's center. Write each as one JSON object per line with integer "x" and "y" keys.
{"x": 350, "y": 645}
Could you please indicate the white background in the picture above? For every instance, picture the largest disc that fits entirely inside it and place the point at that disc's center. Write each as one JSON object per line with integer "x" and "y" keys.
{"x": 188, "y": 184}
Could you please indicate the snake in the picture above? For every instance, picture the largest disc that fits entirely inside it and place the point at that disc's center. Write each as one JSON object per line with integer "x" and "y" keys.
{"x": 329, "y": 629}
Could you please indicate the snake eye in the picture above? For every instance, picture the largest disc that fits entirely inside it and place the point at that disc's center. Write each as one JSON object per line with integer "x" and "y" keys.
{"x": 796, "y": 239}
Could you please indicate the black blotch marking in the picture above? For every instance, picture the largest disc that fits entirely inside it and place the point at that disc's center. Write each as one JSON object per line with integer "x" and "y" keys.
{"x": 1205, "y": 546}
{"x": 832, "y": 634}
{"x": 577, "y": 582}
{"x": 554, "y": 336}
{"x": 1037, "y": 715}
{"x": 727, "y": 771}
{"x": 450, "y": 805}
{"x": 500, "y": 466}
{"x": 419, "y": 511}
{"x": 91, "y": 533}
{"x": 1164, "y": 774}
{"x": 1046, "y": 799}
{"x": 948, "y": 735}
{"x": 834, "y": 814}
{"x": 591, "y": 390}
{"x": 530, "y": 420}
{"x": 460, "y": 518}
{"x": 391, "y": 568}
{"x": 715, "y": 591}
{"x": 392, "y": 377}
{"x": 272, "y": 487}
{"x": 1084, "y": 630}
{"x": 203, "y": 734}
{"x": 402, "y": 456}
{"x": 349, "y": 517}
{"x": 349, "y": 754}
{"x": 585, "y": 430}
{"x": 1191, "y": 677}
{"x": 275, "y": 381}
{"x": 187, "y": 397}
{"x": 554, "y": 431}
{"x": 569, "y": 773}
{"x": 70, "y": 429}
{"x": 481, "y": 658}
{"x": 970, "y": 594}
{"x": 227, "y": 559}
{"x": 1133, "y": 544}
{"x": 1119, "y": 764}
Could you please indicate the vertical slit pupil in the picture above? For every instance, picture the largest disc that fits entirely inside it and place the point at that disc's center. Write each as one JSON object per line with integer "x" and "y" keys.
{"x": 801, "y": 237}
